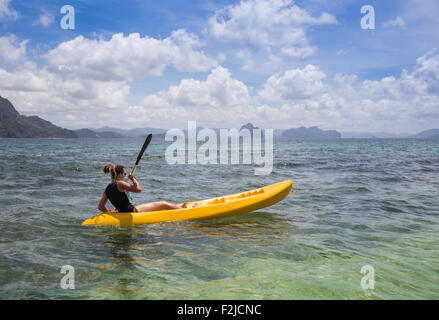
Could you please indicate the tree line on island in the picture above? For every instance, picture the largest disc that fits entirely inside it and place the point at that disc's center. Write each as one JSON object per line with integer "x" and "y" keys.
{"x": 15, "y": 125}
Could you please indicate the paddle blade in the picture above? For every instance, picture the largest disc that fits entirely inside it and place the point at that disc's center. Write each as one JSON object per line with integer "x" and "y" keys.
{"x": 145, "y": 145}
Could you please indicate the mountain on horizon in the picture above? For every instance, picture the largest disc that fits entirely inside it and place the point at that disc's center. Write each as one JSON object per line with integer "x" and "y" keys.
{"x": 87, "y": 133}
{"x": 372, "y": 135}
{"x": 136, "y": 132}
{"x": 14, "y": 125}
{"x": 427, "y": 134}
{"x": 310, "y": 133}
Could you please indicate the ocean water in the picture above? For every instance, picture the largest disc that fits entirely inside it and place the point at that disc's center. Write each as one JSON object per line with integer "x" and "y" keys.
{"x": 358, "y": 203}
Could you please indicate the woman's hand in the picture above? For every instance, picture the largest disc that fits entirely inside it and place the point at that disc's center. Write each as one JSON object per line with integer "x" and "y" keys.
{"x": 102, "y": 203}
{"x": 130, "y": 177}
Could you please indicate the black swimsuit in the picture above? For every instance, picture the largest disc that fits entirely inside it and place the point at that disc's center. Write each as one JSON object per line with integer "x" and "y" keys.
{"x": 119, "y": 199}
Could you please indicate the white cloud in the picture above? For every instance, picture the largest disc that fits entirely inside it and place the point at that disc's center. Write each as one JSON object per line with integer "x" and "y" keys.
{"x": 220, "y": 89}
{"x": 344, "y": 51}
{"x": 6, "y": 12}
{"x": 128, "y": 58}
{"x": 298, "y": 52}
{"x": 32, "y": 89}
{"x": 409, "y": 102}
{"x": 345, "y": 78}
{"x": 42, "y": 91}
{"x": 398, "y": 22}
{"x": 293, "y": 84}
{"x": 424, "y": 80}
{"x": 427, "y": 71}
{"x": 218, "y": 99}
{"x": 23, "y": 80}
{"x": 46, "y": 19}
{"x": 387, "y": 87}
{"x": 11, "y": 50}
{"x": 91, "y": 75}
{"x": 270, "y": 30}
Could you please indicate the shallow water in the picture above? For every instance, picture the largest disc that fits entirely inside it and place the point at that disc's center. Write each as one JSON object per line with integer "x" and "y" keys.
{"x": 359, "y": 202}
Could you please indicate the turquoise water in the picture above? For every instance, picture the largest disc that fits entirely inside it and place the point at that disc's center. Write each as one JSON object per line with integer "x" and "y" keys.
{"x": 370, "y": 202}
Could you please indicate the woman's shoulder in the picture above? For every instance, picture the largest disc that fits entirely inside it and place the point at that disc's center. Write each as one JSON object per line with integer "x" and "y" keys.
{"x": 122, "y": 185}
{"x": 110, "y": 185}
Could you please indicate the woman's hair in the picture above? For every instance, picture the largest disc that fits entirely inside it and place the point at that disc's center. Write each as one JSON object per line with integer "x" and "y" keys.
{"x": 113, "y": 169}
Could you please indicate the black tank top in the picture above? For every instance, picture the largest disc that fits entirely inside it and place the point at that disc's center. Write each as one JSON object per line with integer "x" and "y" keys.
{"x": 118, "y": 199}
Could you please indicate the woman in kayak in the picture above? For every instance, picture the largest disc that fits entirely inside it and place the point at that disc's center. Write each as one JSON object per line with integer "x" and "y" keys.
{"x": 118, "y": 192}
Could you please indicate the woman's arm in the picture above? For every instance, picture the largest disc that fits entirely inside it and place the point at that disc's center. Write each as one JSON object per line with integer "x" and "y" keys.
{"x": 102, "y": 203}
{"x": 125, "y": 186}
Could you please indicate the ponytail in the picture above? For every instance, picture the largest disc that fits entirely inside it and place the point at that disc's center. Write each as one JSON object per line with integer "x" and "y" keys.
{"x": 113, "y": 169}
{"x": 109, "y": 168}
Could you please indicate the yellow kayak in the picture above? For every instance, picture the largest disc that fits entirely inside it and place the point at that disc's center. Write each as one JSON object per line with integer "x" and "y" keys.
{"x": 224, "y": 206}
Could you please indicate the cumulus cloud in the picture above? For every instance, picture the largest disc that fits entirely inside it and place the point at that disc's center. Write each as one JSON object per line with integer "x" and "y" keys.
{"x": 424, "y": 80}
{"x": 12, "y": 50}
{"x": 398, "y": 22}
{"x": 23, "y": 80}
{"x": 427, "y": 72}
{"x": 42, "y": 91}
{"x": 218, "y": 99}
{"x": 127, "y": 58}
{"x": 293, "y": 84}
{"x": 296, "y": 97}
{"x": 260, "y": 24}
{"x": 274, "y": 29}
{"x": 6, "y": 11}
{"x": 345, "y": 78}
{"x": 34, "y": 89}
{"x": 392, "y": 103}
{"x": 86, "y": 75}
{"x": 46, "y": 19}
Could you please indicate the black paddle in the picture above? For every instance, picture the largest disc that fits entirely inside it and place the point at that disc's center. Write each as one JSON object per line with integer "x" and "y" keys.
{"x": 145, "y": 145}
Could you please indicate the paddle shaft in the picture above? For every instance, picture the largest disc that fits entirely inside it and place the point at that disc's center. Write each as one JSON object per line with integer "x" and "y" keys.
{"x": 145, "y": 145}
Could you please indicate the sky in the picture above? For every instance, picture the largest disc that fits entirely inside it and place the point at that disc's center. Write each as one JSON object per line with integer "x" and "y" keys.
{"x": 275, "y": 63}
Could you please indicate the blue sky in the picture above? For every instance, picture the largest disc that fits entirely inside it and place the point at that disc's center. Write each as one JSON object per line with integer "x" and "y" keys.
{"x": 223, "y": 63}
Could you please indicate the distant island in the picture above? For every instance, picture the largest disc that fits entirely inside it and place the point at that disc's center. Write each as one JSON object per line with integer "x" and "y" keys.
{"x": 310, "y": 133}
{"x": 248, "y": 126}
{"x": 428, "y": 134}
{"x": 15, "y": 125}
{"x": 87, "y": 133}
{"x": 136, "y": 132}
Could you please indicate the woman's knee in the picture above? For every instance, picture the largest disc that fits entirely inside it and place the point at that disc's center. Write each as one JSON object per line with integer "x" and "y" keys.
{"x": 165, "y": 204}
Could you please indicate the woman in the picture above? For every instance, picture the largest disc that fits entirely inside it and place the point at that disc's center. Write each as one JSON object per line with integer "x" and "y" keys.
{"x": 118, "y": 193}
